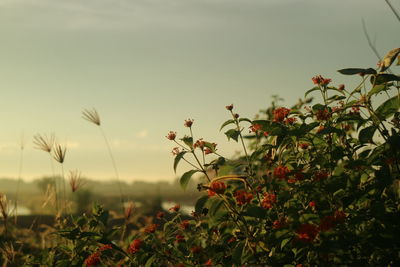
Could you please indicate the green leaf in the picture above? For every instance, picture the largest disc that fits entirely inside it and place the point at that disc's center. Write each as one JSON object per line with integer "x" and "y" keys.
{"x": 384, "y": 78}
{"x": 188, "y": 141}
{"x": 311, "y": 90}
{"x": 178, "y": 158}
{"x": 389, "y": 107}
{"x": 309, "y": 217}
{"x": 339, "y": 193}
{"x": 186, "y": 178}
{"x": 232, "y": 133}
{"x": 377, "y": 89}
{"x": 353, "y": 71}
{"x": 215, "y": 204}
{"x": 198, "y": 208}
{"x": 226, "y": 123}
{"x": 389, "y": 58}
{"x": 285, "y": 241}
{"x": 150, "y": 261}
{"x": 237, "y": 253}
{"x": 337, "y": 97}
{"x": 63, "y": 263}
{"x": 210, "y": 146}
{"x": 319, "y": 107}
{"x": 256, "y": 212}
{"x": 366, "y": 134}
{"x": 245, "y": 119}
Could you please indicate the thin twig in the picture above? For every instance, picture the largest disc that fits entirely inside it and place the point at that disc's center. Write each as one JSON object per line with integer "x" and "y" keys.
{"x": 394, "y": 10}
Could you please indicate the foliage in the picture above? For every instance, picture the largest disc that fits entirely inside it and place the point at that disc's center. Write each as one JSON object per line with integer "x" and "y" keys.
{"x": 316, "y": 186}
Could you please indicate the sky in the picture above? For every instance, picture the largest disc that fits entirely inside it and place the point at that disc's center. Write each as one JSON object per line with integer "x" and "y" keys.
{"x": 147, "y": 65}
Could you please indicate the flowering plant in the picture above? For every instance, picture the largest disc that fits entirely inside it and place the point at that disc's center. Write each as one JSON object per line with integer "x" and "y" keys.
{"x": 315, "y": 186}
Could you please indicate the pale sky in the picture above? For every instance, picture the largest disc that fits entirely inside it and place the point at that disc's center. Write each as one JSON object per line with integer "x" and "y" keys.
{"x": 147, "y": 65}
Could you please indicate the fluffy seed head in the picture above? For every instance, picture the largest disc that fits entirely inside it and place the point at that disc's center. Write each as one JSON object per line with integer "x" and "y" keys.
{"x": 91, "y": 115}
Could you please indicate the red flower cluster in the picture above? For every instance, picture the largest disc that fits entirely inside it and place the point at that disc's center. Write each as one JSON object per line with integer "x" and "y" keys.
{"x": 323, "y": 114}
{"x": 188, "y": 123}
{"x": 175, "y": 208}
{"x": 105, "y": 247}
{"x": 179, "y": 238}
{"x": 208, "y": 150}
{"x": 185, "y": 224}
{"x": 298, "y": 176}
{"x": 151, "y": 228}
{"x": 303, "y": 145}
{"x": 280, "y": 172}
{"x": 216, "y": 188}
{"x": 330, "y": 222}
{"x": 208, "y": 263}
{"x": 242, "y": 197}
{"x": 319, "y": 80}
{"x": 199, "y": 143}
{"x": 230, "y": 107}
{"x": 268, "y": 201}
{"x": 320, "y": 175}
{"x": 277, "y": 224}
{"x": 93, "y": 259}
{"x": 355, "y": 110}
{"x": 340, "y": 216}
{"x": 280, "y": 114}
{"x": 307, "y": 232}
{"x": 290, "y": 120}
{"x": 255, "y": 128}
{"x": 171, "y": 136}
{"x": 160, "y": 215}
{"x": 135, "y": 246}
{"x": 175, "y": 151}
{"x": 195, "y": 250}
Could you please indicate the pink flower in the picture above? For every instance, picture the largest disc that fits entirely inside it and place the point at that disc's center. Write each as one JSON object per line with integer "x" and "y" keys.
{"x": 171, "y": 136}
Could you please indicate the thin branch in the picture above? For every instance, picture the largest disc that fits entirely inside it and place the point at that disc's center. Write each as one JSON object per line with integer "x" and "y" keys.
{"x": 371, "y": 45}
{"x": 394, "y": 10}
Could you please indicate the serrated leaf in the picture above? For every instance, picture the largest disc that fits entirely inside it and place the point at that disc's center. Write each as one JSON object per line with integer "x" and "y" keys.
{"x": 226, "y": 123}
{"x": 186, "y": 178}
{"x": 178, "y": 158}
{"x": 353, "y": 71}
{"x": 311, "y": 90}
{"x": 389, "y": 107}
{"x": 389, "y": 58}
{"x": 366, "y": 134}
{"x": 232, "y": 134}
